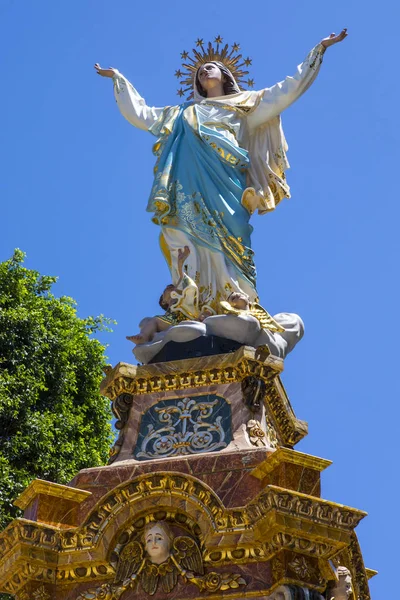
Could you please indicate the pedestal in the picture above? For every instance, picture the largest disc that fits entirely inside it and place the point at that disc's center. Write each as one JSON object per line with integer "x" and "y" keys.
{"x": 205, "y": 452}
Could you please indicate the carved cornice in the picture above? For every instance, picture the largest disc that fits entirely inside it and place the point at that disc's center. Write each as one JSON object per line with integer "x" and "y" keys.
{"x": 289, "y": 456}
{"x": 295, "y": 504}
{"x": 23, "y": 531}
{"x": 38, "y": 486}
{"x": 291, "y": 429}
{"x": 190, "y": 373}
{"x": 84, "y": 572}
{"x": 24, "y": 572}
{"x": 125, "y": 381}
{"x": 272, "y": 500}
{"x": 277, "y": 520}
{"x": 265, "y": 551}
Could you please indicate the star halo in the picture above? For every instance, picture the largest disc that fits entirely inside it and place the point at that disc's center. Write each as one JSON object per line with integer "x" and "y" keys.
{"x": 229, "y": 56}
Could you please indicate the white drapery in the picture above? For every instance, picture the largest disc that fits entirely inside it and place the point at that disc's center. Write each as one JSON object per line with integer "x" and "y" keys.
{"x": 252, "y": 121}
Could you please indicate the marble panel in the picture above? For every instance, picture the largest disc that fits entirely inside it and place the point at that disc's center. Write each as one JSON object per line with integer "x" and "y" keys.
{"x": 229, "y": 474}
{"x": 184, "y": 426}
{"x": 146, "y": 404}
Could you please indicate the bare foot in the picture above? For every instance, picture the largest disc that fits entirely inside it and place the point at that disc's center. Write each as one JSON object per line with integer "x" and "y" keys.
{"x": 136, "y": 339}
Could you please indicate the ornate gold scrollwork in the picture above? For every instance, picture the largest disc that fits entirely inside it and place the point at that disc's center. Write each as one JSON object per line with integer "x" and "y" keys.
{"x": 245, "y": 366}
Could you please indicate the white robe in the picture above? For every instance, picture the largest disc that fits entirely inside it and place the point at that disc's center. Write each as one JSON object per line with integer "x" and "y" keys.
{"x": 259, "y": 131}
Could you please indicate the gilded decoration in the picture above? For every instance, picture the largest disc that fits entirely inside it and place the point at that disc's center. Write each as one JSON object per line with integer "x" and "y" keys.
{"x": 239, "y": 527}
{"x": 276, "y": 521}
{"x": 272, "y": 500}
{"x": 204, "y": 53}
{"x": 190, "y": 373}
{"x": 184, "y": 426}
{"x": 351, "y": 557}
{"x": 41, "y": 487}
{"x": 291, "y": 457}
{"x": 257, "y": 435}
{"x": 256, "y": 369}
{"x": 156, "y": 559}
{"x": 41, "y": 593}
{"x": 302, "y": 568}
{"x": 24, "y": 573}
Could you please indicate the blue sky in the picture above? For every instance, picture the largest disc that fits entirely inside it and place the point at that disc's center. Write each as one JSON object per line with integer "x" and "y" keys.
{"x": 76, "y": 177}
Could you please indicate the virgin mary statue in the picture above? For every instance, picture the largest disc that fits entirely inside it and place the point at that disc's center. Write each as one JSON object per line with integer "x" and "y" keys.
{"x": 220, "y": 157}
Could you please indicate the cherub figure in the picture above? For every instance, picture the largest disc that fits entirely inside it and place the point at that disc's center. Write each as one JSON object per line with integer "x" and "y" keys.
{"x": 179, "y": 303}
{"x": 159, "y": 560}
{"x": 239, "y": 304}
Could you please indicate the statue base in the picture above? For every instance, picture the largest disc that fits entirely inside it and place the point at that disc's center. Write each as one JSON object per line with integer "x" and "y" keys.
{"x": 205, "y": 454}
{"x": 201, "y": 346}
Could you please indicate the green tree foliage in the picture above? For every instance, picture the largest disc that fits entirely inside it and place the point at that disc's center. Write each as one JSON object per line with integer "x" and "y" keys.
{"x": 53, "y": 420}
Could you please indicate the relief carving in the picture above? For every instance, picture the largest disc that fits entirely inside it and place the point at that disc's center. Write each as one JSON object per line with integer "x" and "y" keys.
{"x": 41, "y": 593}
{"x": 253, "y": 390}
{"x": 184, "y": 426}
{"x": 256, "y": 434}
{"x": 156, "y": 560}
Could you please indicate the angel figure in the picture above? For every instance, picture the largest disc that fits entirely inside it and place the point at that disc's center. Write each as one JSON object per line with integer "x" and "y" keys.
{"x": 159, "y": 560}
{"x": 220, "y": 156}
{"x": 249, "y": 323}
{"x": 239, "y": 304}
{"x": 178, "y": 301}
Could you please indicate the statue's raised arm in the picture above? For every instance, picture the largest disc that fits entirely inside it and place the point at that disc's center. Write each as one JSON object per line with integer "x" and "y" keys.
{"x": 221, "y": 155}
{"x": 132, "y": 106}
{"x": 277, "y": 98}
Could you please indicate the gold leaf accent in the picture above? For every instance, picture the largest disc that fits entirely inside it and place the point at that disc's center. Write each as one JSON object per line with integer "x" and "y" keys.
{"x": 204, "y": 53}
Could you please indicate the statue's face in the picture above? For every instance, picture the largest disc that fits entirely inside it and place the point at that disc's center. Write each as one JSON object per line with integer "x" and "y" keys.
{"x": 157, "y": 545}
{"x": 210, "y": 76}
{"x": 344, "y": 588}
{"x": 239, "y": 301}
{"x": 167, "y": 294}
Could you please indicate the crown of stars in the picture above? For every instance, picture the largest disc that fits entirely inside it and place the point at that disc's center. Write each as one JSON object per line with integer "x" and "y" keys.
{"x": 203, "y": 53}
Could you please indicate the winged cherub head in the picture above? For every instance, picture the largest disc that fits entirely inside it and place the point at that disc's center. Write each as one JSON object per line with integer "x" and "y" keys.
{"x": 157, "y": 541}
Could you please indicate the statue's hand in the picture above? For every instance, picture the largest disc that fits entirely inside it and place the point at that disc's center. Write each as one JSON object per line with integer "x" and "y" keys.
{"x": 183, "y": 253}
{"x": 334, "y": 39}
{"x": 105, "y": 72}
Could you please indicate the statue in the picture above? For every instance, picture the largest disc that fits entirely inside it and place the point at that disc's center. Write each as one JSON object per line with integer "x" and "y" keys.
{"x": 238, "y": 304}
{"x": 342, "y": 589}
{"x": 178, "y": 301}
{"x": 159, "y": 560}
{"x": 220, "y": 157}
{"x": 156, "y": 561}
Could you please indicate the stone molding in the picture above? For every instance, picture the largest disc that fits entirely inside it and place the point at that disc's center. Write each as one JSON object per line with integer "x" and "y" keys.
{"x": 125, "y": 381}
{"x": 277, "y": 521}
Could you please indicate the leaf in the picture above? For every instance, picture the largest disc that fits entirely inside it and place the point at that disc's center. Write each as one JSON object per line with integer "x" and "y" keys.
{"x": 53, "y": 420}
